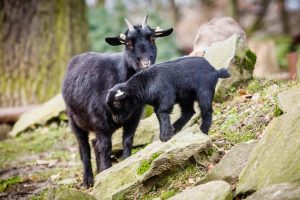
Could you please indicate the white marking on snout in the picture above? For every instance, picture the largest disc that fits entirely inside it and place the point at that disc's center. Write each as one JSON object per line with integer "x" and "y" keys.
{"x": 119, "y": 93}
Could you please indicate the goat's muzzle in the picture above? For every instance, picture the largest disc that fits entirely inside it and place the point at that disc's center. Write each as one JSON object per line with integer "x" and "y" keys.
{"x": 145, "y": 63}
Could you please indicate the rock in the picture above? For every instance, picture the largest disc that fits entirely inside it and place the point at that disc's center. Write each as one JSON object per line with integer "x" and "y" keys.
{"x": 275, "y": 159}
{"x": 231, "y": 165}
{"x": 126, "y": 177}
{"x": 282, "y": 191}
{"x": 288, "y": 100}
{"x": 148, "y": 130}
{"x": 215, "y": 190}
{"x": 223, "y": 43}
{"x": 217, "y": 29}
{"x": 67, "y": 181}
{"x": 40, "y": 115}
{"x": 67, "y": 194}
{"x": 266, "y": 66}
{"x": 146, "y": 133}
{"x": 234, "y": 55}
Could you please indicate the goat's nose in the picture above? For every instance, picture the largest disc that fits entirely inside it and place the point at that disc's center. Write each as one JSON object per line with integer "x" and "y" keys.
{"x": 145, "y": 62}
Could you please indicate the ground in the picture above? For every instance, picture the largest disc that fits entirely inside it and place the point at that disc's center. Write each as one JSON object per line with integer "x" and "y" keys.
{"x": 48, "y": 156}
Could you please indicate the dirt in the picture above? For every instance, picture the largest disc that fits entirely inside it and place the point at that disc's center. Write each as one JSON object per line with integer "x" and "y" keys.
{"x": 41, "y": 159}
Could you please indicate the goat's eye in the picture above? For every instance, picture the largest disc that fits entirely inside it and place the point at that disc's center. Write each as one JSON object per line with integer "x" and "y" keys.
{"x": 129, "y": 44}
{"x": 152, "y": 39}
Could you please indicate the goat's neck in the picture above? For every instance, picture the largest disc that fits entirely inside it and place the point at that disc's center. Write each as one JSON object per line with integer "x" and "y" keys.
{"x": 128, "y": 70}
{"x": 139, "y": 86}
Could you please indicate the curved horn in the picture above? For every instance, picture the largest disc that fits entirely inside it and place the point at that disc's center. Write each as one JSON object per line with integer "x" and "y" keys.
{"x": 129, "y": 25}
{"x": 144, "y": 23}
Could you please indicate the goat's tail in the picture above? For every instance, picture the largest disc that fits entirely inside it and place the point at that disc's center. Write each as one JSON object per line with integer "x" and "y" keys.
{"x": 223, "y": 73}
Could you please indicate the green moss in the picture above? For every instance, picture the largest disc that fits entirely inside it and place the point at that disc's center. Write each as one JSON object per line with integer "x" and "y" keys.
{"x": 246, "y": 61}
{"x": 6, "y": 183}
{"x": 277, "y": 111}
{"x": 210, "y": 151}
{"x": 145, "y": 164}
{"x": 250, "y": 60}
{"x": 155, "y": 155}
{"x": 254, "y": 86}
{"x": 238, "y": 138}
{"x": 167, "y": 194}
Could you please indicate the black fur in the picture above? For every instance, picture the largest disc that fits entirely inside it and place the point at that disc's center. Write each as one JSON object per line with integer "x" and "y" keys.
{"x": 181, "y": 81}
{"x": 85, "y": 86}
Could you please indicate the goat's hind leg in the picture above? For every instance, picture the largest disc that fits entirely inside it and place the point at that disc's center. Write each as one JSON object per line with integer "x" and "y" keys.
{"x": 187, "y": 111}
{"x": 97, "y": 154}
{"x": 205, "y": 103}
{"x": 85, "y": 153}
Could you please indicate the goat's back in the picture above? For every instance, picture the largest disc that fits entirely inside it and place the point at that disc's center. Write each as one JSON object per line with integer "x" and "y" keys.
{"x": 187, "y": 72}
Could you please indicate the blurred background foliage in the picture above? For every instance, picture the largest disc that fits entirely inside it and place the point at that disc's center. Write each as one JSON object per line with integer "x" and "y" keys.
{"x": 38, "y": 37}
{"x": 104, "y": 24}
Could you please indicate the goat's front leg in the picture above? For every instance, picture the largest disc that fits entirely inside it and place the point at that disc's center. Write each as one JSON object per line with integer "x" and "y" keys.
{"x": 104, "y": 147}
{"x": 166, "y": 129}
{"x": 129, "y": 129}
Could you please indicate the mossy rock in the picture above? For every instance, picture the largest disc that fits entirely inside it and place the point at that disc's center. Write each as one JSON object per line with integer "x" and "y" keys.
{"x": 234, "y": 55}
{"x": 281, "y": 191}
{"x": 214, "y": 190}
{"x": 231, "y": 165}
{"x": 275, "y": 159}
{"x": 289, "y": 100}
{"x": 40, "y": 115}
{"x": 57, "y": 193}
{"x": 156, "y": 160}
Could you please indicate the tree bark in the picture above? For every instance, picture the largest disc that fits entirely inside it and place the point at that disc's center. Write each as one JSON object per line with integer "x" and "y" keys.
{"x": 234, "y": 10}
{"x": 258, "y": 23}
{"x": 284, "y": 17}
{"x": 38, "y": 37}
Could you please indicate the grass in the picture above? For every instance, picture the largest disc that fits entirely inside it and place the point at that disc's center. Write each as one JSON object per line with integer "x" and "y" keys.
{"x": 25, "y": 148}
{"x": 40, "y": 196}
{"x": 6, "y": 183}
{"x": 240, "y": 119}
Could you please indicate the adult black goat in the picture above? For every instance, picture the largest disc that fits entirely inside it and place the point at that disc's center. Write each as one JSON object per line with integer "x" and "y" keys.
{"x": 85, "y": 86}
{"x": 162, "y": 85}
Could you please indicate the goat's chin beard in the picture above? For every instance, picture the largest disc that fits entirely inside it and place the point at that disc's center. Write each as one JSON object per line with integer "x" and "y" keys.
{"x": 117, "y": 119}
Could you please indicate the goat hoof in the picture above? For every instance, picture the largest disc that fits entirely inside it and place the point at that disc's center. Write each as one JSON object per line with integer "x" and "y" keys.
{"x": 165, "y": 138}
{"x": 88, "y": 182}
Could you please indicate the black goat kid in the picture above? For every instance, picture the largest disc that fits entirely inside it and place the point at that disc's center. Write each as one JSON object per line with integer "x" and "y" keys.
{"x": 162, "y": 85}
{"x": 85, "y": 86}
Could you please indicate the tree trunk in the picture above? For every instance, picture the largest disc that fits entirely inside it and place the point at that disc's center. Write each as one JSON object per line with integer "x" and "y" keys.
{"x": 234, "y": 10}
{"x": 38, "y": 37}
{"x": 258, "y": 23}
{"x": 284, "y": 17}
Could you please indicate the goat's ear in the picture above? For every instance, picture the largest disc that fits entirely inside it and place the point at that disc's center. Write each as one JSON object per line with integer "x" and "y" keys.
{"x": 162, "y": 33}
{"x": 115, "y": 41}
